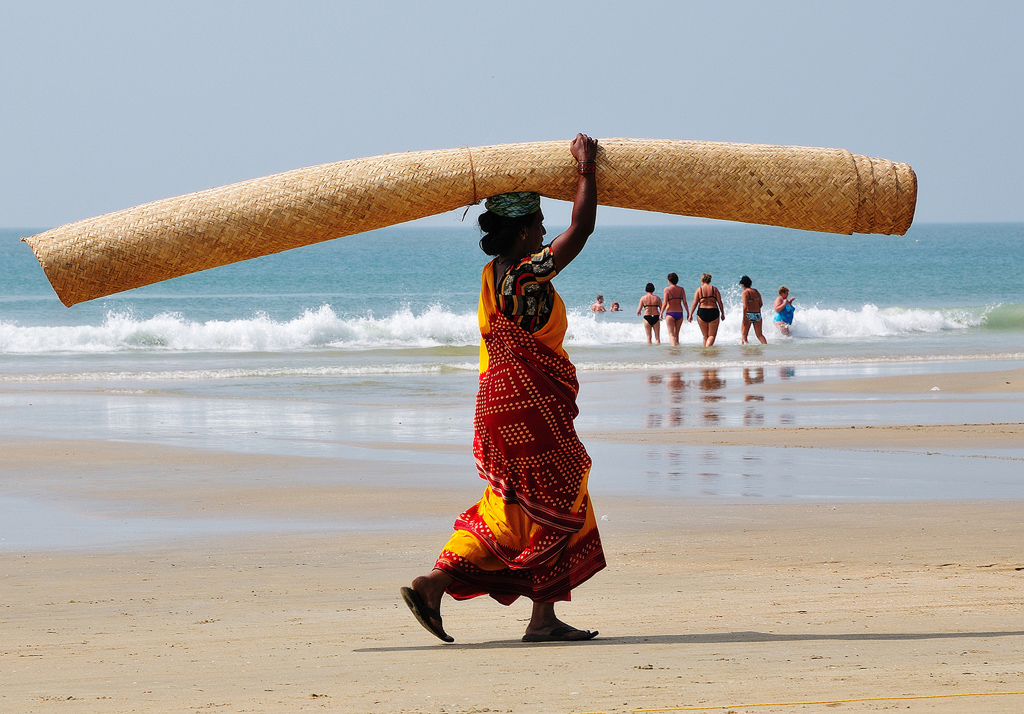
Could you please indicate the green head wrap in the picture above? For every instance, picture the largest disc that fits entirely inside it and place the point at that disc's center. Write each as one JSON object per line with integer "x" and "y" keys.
{"x": 514, "y": 205}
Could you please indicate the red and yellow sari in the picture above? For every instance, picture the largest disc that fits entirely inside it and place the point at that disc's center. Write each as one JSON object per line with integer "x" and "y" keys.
{"x": 533, "y": 533}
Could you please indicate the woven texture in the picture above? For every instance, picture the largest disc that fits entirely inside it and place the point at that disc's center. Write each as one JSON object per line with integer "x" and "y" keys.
{"x": 828, "y": 190}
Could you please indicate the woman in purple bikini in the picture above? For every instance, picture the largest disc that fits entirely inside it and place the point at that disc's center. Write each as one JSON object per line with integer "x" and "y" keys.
{"x": 674, "y": 307}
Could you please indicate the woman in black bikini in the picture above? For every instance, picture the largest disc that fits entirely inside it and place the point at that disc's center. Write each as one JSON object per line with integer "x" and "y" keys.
{"x": 708, "y": 307}
{"x": 674, "y": 307}
{"x": 650, "y": 305}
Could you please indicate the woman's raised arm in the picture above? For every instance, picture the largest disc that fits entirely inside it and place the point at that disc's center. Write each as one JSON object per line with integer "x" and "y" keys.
{"x": 568, "y": 245}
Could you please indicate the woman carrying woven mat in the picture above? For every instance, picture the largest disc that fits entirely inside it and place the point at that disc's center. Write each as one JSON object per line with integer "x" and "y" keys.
{"x": 533, "y": 534}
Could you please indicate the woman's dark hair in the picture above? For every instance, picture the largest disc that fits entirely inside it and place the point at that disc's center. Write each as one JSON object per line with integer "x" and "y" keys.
{"x": 650, "y": 287}
{"x": 673, "y": 278}
{"x": 500, "y": 232}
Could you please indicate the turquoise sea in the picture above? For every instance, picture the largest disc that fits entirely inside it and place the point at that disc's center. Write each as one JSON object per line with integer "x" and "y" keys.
{"x": 366, "y": 347}
{"x": 404, "y": 299}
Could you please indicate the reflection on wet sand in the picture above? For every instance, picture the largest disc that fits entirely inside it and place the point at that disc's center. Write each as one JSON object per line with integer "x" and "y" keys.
{"x": 711, "y": 472}
{"x": 753, "y": 416}
{"x": 669, "y": 468}
{"x": 653, "y": 419}
{"x": 753, "y": 375}
{"x": 711, "y": 416}
{"x": 784, "y": 374}
{"x": 711, "y": 382}
{"x": 752, "y": 479}
{"x": 670, "y": 391}
{"x": 675, "y": 465}
{"x": 676, "y": 385}
{"x": 728, "y": 432}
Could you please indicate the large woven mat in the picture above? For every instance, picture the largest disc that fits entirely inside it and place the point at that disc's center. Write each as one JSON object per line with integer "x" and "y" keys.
{"x": 828, "y": 190}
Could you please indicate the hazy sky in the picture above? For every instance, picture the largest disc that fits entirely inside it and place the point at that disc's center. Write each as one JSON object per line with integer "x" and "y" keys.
{"x": 107, "y": 105}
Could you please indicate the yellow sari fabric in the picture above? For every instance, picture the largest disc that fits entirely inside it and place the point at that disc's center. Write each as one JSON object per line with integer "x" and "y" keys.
{"x": 551, "y": 335}
{"x": 498, "y": 548}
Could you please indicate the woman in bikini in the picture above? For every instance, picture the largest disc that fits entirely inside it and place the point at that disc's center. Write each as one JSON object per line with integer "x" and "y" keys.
{"x": 675, "y": 305}
{"x": 752, "y": 304}
{"x": 650, "y": 306}
{"x": 708, "y": 307}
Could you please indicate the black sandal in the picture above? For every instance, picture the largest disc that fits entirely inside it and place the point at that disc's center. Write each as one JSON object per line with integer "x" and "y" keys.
{"x": 424, "y": 614}
{"x": 559, "y": 635}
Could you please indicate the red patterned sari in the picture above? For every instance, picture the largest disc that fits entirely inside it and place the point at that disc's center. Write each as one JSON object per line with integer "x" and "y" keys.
{"x": 533, "y": 533}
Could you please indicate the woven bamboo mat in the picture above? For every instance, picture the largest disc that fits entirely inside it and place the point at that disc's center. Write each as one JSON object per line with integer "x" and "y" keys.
{"x": 828, "y": 190}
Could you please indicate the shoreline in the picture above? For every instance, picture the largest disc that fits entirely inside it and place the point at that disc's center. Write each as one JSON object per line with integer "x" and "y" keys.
{"x": 184, "y": 578}
{"x": 891, "y": 436}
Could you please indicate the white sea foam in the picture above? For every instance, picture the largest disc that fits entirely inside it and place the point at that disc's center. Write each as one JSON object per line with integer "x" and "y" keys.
{"x": 397, "y": 370}
{"x": 312, "y": 330}
{"x": 437, "y": 326}
{"x": 870, "y": 321}
{"x": 175, "y": 375}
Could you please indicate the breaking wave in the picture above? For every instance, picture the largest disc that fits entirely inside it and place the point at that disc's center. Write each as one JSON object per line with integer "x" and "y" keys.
{"x": 324, "y": 329}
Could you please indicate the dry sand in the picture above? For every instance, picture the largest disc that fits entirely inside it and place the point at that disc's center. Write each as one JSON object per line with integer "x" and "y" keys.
{"x": 703, "y": 603}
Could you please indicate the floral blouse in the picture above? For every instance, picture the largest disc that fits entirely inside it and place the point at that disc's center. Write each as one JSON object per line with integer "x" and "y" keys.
{"x": 525, "y": 293}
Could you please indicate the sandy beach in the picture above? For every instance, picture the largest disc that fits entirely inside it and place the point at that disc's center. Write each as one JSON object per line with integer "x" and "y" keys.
{"x": 269, "y": 583}
{"x": 223, "y": 459}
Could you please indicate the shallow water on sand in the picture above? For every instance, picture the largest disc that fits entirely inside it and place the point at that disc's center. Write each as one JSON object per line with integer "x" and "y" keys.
{"x": 302, "y": 354}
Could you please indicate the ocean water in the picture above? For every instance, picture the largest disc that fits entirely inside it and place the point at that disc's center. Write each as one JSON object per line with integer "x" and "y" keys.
{"x": 366, "y": 347}
{"x": 375, "y": 336}
{"x": 403, "y": 300}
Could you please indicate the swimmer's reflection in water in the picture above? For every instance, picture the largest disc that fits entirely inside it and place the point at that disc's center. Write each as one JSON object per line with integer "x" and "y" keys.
{"x": 711, "y": 382}
{"x": 751, "y": 376}
{"x": 753, "y": 417}
{"x": 676, "y": 385}
{"x": 676, "y": 389}
{"x": 711, "y": 416}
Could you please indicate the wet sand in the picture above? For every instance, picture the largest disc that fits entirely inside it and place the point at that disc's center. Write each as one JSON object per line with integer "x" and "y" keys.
{"x": 997, "y": 381}
{"x": 276, "y": 589}
{"x": 882, "y": 438}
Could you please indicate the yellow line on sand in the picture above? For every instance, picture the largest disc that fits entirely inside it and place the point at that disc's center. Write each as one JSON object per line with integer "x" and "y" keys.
{"x": 829, "y": 701}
